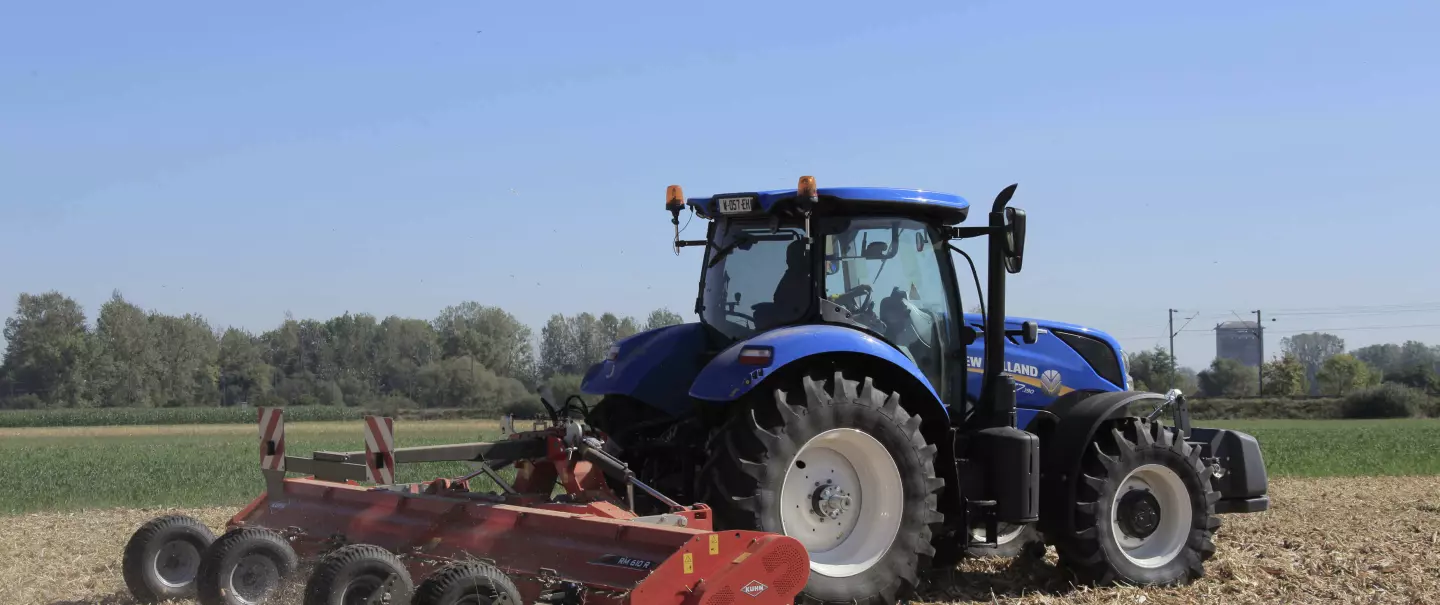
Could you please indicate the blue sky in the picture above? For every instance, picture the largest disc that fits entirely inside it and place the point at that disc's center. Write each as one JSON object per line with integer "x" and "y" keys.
{"x": 241, "y": 161}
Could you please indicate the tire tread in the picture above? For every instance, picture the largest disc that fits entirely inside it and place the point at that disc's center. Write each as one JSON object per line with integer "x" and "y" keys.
{"x": 320, "y": 587}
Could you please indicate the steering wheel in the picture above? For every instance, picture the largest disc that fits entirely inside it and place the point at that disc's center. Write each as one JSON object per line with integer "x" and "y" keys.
{"x": 848, "y": 299}
{"x": 740, "y": 315}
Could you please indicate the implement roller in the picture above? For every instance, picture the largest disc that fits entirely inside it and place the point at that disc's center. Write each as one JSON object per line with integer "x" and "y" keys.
{"x": 557, "y": 533}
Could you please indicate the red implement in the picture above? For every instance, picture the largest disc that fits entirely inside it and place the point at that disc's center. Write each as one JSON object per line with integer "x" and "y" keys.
{"x": 582, "y": 547}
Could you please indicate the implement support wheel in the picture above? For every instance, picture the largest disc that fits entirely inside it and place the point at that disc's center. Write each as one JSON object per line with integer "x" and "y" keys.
{"x": 163, "y": 557}
{"x": 359, "y": 574}
{"x": 468, "y": 583}
{"x": 246, "y": 566}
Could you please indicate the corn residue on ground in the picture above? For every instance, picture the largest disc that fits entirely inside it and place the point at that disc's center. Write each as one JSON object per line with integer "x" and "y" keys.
{"x": 1341, "y": 540}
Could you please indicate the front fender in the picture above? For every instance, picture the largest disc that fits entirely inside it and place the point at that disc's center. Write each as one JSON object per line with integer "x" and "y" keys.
{"x": 725, "y": 379}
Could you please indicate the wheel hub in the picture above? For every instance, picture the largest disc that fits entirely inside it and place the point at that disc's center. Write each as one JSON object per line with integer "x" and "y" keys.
{"x": 1139, "y": 513}
{"x": 843, "y": 499}
{"x": 253, "y": 578}
{"x": 1150, "y": 515}
{"x": 829, "y": 501}
{"x": 177, "y": 562}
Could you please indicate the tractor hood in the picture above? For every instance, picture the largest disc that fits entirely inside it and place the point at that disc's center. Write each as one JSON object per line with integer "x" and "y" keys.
{"x": 1065, "y": 357}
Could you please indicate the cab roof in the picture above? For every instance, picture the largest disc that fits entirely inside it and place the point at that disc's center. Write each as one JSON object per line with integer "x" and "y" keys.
{"x": 948, "y": 207}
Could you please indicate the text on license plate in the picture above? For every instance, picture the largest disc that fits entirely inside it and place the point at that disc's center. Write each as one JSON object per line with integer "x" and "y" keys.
{"x": 732, "y": 205}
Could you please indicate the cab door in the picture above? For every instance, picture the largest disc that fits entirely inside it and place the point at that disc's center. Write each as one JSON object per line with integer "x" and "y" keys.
{"x": 899, "y": 283}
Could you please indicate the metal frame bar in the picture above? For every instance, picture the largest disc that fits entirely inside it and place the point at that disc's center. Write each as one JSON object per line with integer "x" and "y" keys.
{"x": 520, "y": 449}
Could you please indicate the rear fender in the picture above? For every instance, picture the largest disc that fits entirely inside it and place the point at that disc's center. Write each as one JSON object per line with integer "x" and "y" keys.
{"x": 725, "y": 379}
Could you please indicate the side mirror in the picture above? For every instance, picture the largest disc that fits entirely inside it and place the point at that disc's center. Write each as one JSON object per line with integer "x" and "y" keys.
{"x": 1030, "y": 331}
{"x": 1014, "y": 239}
{"x": 919, "y": 241}
{"x": 968, "y": 335}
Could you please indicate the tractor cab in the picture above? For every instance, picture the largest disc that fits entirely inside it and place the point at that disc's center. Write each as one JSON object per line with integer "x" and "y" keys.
{"x": 872, "y": 259}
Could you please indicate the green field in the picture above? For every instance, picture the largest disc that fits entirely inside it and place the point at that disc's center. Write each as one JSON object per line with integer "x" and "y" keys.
{"x": 1344, "y": 448}
{"x": 104, "y": 467}
{"x": 72, "y": 468}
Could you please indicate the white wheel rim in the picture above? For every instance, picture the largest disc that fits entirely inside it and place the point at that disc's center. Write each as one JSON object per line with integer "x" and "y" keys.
{"x": 175, "y": 563}
{"x": 857, "y": 519}
{"x": 1173, "y": 528}
{"x": 1008, "y": 532}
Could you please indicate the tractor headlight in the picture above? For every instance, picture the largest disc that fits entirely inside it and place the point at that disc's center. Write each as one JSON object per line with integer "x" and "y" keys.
{"x": 613, "y": 353}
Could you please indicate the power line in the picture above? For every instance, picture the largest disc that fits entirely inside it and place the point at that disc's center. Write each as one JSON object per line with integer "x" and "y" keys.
{"x": 1372, "y": 312}
{"x": 1346, "y": 329}
{"x": 1274, "y": 331}
{"x": 1354, "y": 308}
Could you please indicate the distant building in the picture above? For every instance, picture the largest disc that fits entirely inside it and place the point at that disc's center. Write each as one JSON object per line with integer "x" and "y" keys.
{"x": 1238, "y": 340}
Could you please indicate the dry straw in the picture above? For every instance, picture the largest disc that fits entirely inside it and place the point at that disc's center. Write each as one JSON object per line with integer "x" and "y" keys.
{"x": 1351, "y": 540}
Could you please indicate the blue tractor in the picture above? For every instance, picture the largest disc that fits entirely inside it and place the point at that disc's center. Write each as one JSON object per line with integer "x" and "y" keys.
{"x": 835, "y": 391}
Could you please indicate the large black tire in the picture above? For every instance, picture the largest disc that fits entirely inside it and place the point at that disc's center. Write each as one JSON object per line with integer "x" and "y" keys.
{"x": 468, "y": 583}
{"x": 1014, "y": 541}
{"x": 354, "y": 572}
{"x": 162, "y": 558}
{"x": 751, "y": 456}
{"x": 1159, "y": 529}
{"x": 246, "y": 565}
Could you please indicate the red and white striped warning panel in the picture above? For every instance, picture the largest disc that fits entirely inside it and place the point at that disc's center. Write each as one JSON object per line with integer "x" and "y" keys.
{"x": 272, "y": 439}
{"x": 380, "y": 450}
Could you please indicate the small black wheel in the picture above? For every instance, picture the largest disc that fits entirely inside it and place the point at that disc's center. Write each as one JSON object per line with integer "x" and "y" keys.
{"x": 468, "y": 583}
{"x": 356, "y": 573}
{"x": 1013, "y": 541}
{"x": 163, "y": 557}
{"x": 246, "y": 566}
{"x": 1145, "y": 512}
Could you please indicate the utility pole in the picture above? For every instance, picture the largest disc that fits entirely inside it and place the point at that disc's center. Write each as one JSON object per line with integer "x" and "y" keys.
{"x": 1260, "y": 368}
{"x": 1172, "y": 350}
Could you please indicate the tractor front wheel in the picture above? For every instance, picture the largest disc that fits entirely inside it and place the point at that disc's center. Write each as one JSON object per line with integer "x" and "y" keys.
{"x": 846, "y": 472}
{"x": 1145, "y": 512}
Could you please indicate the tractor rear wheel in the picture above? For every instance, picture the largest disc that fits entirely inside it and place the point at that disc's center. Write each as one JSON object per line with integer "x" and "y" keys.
{"x": 1145, "y": 512}
{"x": 845, "y": 471}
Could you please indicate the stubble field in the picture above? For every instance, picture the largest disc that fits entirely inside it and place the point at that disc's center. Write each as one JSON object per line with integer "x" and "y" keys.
{"x": 1356, "y": 515}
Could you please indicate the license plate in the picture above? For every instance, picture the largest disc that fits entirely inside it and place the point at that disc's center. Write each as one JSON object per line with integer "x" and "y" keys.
{"x": 735, "y": 205}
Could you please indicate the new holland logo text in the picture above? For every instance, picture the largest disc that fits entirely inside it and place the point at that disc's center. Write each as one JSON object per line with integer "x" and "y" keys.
{"x": 754, "y": 588}
{"x": 1018, "y": 369}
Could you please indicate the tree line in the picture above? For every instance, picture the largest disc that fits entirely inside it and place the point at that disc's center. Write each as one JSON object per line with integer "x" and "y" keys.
{"x": 469, "y": 356}
{"x": 1314, "y": 363}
